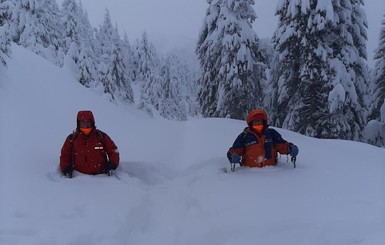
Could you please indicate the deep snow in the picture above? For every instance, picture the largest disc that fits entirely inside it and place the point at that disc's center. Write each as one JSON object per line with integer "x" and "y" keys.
{"x": 171, "y": 189}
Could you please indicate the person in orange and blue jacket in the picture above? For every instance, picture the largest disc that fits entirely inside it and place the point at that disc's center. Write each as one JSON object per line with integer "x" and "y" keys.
{"x": 258, "y": 145}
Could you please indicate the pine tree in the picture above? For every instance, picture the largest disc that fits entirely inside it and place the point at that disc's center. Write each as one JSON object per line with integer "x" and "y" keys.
{"x": 319, "y": 69}
{"x": 120, "y": 73}
{"x": 172, "y": 99}
{"x": 232, "y": 64}
{"x": 78, "y": 41}
{"x": 87, "y": 57}
{"x": 112, "y": 71}
{"x": 128, "y": 57}
{"x": 72, "y": 30}
{"x": 299, "y": 71}
{"x": 186, "y": 70}
{"x": 147, "y": 74}
{"x": 378, "y": 77}
{"x": 349, "y": 37}
{"x": 6, "y": 7}
{"x": 37, "y": 27}
{"x": 374, "y": 132}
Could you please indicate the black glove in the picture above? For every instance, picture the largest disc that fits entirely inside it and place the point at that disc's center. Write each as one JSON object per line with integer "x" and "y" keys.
{"x": 109, "y": 168}
{"x": 293, "y": 150}
{"x": 68, "y": 172}
{"x": 235, "y": 158}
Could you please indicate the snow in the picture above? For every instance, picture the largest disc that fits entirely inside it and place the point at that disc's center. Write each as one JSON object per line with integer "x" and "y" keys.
{"x": 171, "y": 189}
{"x": 336, "y": 97}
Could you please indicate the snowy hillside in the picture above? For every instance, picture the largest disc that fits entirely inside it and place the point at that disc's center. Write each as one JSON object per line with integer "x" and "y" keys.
{"x": 171, "y": 188}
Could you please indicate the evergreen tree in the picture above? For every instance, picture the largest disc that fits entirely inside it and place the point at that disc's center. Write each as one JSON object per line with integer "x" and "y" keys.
{"x": 72, "y": 30}
{"x": 120, "y": 73}
{"x": 232, "y": 64}
{"x": 87, "y": 57}
{"x": 112, "y": 73}
{"x": 186, "y": 70}
{"x": 145, "y": 59}
{"x": 299, "y": 72}
{"x": 6, "y": 7}
{"x": 377, "y": 87}
{"x": 147, "y": 74}
{"x": 374, "y": 132}
{"x": 37, "y": 27}
{"x": 172, "y": 99}
{"x": 319, "y": 69}
{"x": 78, "y": 41}
{"x": 128, "y": 57}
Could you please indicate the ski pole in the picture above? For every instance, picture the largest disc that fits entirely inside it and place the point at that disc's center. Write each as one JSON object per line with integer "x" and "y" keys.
{"x": 232, "y": 167}
{"x": 293, "y": 160}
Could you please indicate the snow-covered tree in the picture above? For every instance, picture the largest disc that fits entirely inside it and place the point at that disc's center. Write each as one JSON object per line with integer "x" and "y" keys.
{"x": 172, "y": 101}
{"x": 6, "y": 7}
{"x": 147, "y": 73}
{"x": 87, "y": 58}
{"x": 232, "y": 65}
{"x": 319, "y": 70}
{"x": 128, "y": 57}
{"x": 145, "y": 58}
{"x": 378, "y": 77}
{"x": 78, "y": 42}
{"x": 187, "y": 70}
{"x": 120, "y": 73}
{"x": 112, "y": 71}
{"x": 37, "y": 27}
{"x": 71, "y": 28}
{"x": 299, "y": 73}
{"x": 374, "y": 132}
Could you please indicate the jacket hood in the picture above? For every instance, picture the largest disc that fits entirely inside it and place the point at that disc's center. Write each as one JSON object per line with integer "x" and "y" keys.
{"x": 256, "y": 114}
{"x": 85, "y": 115}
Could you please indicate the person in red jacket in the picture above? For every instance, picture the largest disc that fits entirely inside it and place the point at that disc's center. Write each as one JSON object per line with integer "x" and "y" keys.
{"x": 88, "y": 150}
{"x": 258, "y": 145}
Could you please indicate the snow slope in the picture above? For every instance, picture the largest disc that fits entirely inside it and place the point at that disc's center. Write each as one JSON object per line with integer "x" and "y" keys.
{"x": 171, "y": 188}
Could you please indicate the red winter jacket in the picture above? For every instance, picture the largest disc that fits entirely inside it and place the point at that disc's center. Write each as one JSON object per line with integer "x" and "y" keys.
{"x": 89, "y": 152}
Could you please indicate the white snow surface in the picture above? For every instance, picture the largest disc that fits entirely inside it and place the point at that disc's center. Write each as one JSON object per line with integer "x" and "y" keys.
{"x": 172, "y": 189}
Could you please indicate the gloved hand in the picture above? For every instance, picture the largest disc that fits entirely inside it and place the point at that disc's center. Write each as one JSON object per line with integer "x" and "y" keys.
{"x": 110, "y": 168}
{"x": 68, "y": 172}
{"x": 235, "y": 158}
{"x": 68, "y": 175}
{"x": 293, "y": 150}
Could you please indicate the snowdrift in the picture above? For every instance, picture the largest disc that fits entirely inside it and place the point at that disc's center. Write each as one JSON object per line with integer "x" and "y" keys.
{"x": 171, "y": 187}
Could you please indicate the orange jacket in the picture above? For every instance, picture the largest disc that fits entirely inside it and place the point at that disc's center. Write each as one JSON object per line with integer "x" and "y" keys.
{"x": 259, "y": 150}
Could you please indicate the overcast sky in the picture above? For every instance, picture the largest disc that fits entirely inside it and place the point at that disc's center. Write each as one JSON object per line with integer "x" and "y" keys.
{"x": 176, "y": 23}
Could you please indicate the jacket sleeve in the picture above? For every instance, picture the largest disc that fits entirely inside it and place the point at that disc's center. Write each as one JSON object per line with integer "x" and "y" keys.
{"x": 65, "y": 156}
{"x": 238, "y": 146}
{"x": 281, "y": 145}
{"x": 112, "y": 151}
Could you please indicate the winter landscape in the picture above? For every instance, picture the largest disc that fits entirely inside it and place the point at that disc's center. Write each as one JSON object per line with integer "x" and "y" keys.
{"x": 170, "y": 187}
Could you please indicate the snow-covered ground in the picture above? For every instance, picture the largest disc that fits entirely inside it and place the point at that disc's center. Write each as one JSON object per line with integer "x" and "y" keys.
{"x": 172, "y": 189}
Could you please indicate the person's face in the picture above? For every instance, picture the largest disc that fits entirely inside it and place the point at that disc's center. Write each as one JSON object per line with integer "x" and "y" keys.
{"x": 85, "y": 124}
{"x": 85, "y": 127}
{"x": 257, "y": 125}
{"x": 257, "y": 122}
